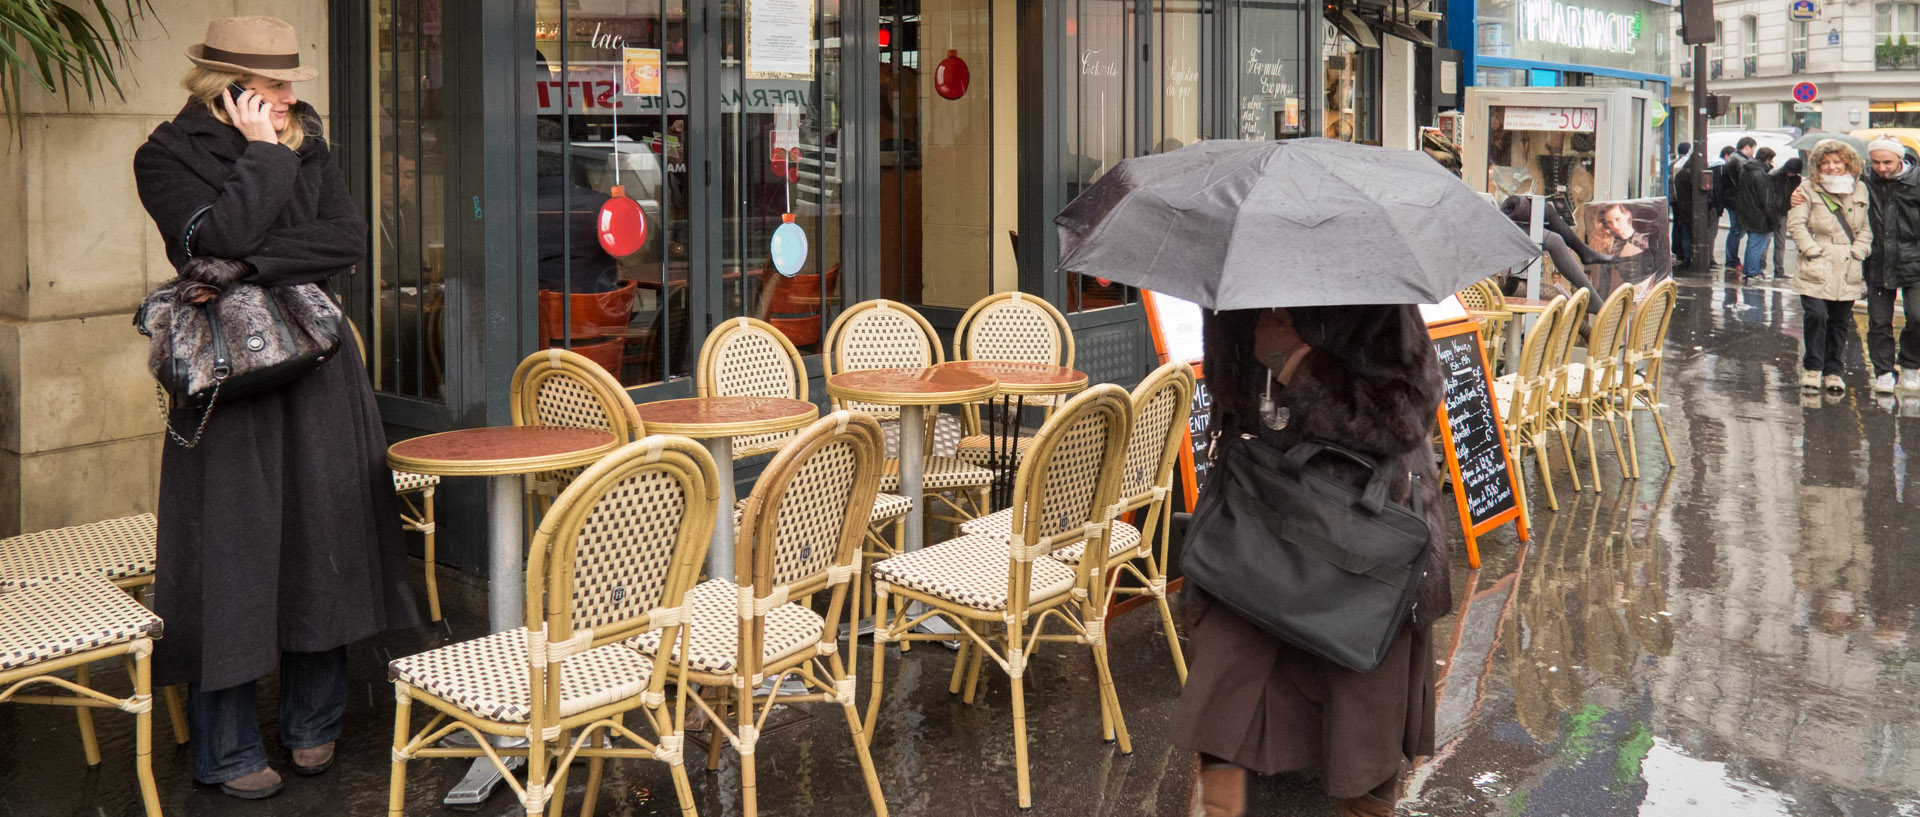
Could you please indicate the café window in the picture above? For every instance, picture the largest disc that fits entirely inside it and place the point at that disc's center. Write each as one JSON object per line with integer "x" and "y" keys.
{"x": 943, "y": 152}
{"x": 1183, "y": 31}
{"x": 405, "y": 338}
{"x": 1101, "y": 108}
{"x": 1269, "y": 69}
{"x": 616, "y": 130}
{"x": 1352, "y": 77}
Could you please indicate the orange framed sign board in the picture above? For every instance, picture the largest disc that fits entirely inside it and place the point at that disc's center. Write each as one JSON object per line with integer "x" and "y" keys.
{"x": 1175, "y": 326}
{"x": 1486, "y": 486}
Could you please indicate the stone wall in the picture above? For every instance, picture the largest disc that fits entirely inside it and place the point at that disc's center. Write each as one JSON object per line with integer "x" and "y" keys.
{"x": 80, "y": 437}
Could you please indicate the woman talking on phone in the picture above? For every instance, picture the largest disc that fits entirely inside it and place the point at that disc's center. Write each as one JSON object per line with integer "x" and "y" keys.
{"x": 279, "y": 543}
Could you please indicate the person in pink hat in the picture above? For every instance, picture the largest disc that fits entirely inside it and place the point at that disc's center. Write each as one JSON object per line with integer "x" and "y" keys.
{"x": 279, "y": 542}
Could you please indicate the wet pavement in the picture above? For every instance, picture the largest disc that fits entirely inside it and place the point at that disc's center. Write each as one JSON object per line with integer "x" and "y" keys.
{"x": 1729, "y": 636}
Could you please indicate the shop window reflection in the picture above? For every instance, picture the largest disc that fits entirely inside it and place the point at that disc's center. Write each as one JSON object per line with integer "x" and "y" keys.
{"x": 1098, "y": 94}
{"x": 406, "y": 339}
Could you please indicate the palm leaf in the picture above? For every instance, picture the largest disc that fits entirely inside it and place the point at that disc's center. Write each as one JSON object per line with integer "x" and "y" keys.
{"x": 55, "y": 45}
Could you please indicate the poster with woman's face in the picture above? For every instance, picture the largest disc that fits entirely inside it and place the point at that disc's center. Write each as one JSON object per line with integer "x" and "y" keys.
{"x": 1635, "y": 232}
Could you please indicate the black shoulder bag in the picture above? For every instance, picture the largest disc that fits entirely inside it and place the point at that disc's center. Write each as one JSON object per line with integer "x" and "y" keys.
{"x": 208, "y": 342}
{"x": 1327, "y": 567}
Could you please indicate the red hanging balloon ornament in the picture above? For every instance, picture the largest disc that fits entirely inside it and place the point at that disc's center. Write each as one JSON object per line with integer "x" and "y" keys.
{"x": 622, "y": 227}
{"x": 950, "y": 76}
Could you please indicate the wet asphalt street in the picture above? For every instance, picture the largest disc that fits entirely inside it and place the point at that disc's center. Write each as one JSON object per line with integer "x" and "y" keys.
{"x": 1733, "y": 635}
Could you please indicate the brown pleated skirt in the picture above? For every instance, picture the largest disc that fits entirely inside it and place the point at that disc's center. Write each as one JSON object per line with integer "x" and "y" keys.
{"x": 1264, "y": 705}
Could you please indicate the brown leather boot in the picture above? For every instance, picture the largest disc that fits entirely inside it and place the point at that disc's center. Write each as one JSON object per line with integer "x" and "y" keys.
{"x": 259, "y": 785}
{"x": 1376, "y": 803}
{"x": 313, "y": 760}
{"x": 1223, "y": 791}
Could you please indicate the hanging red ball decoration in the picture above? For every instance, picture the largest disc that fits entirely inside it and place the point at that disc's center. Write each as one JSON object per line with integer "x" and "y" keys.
{"x": 621, "y": 226}
{"x": 950, "y": 76}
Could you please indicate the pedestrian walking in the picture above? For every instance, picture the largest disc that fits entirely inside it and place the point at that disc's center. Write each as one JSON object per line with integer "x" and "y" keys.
{"x": 1728, "y": 182}
{"x": 279, "y": 540}
{"x": 1680, "y": 202}
{"x": 1893, "y": 270}
{"x": 1831, "y": 229}
{"x": 1754, "y": 206}
{"x": 1362, "y": 377}
{"x": 1786, "y": 179}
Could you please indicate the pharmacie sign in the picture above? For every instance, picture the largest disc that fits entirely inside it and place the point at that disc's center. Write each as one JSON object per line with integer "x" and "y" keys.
{"x": 1577, "y": 26}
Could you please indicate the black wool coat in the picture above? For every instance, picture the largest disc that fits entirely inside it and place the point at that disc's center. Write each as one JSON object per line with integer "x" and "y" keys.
{"x": 1894, "y": 207}
{"x": 279, "y": 531}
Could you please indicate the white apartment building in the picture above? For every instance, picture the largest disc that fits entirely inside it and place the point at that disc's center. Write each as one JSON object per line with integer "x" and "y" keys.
{"x": 1851, "y": 50}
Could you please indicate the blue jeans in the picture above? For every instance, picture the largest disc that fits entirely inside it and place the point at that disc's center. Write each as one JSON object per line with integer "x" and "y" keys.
{"x": 1756, "y": 254}
{"x": 1734, "y": 234}
{"x": 226, "y": 732}
{"x": 1683, "y": 240}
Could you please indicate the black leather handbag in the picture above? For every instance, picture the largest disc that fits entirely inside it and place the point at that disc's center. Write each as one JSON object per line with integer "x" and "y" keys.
{"x": 208, "y": 343}
{"x": 1327, "y": 567}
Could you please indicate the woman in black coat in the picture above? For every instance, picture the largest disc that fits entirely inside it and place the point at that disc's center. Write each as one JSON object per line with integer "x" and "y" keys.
{"x": 278, "y": 540}
{"x": 1363, "y": 377}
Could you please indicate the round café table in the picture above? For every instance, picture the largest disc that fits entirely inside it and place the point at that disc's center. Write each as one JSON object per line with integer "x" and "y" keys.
{"x": 716, "y": 421}
{"x": 1521, "y": 309}
{"x": 503, "y": 454}
{"x": 913, "y": 390}
{"x": 1017, "y": 381}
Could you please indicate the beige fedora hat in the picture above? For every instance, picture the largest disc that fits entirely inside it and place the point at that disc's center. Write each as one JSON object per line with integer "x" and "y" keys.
{"x": 252, "y": 45}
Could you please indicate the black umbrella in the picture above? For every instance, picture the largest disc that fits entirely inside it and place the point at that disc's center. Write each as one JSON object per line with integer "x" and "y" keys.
{"x": 1307, "y": 222}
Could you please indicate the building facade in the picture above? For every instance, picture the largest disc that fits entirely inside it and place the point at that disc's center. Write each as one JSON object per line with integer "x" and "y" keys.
{"x": 922, "y": 147}
{"x": 1863, "y": 57}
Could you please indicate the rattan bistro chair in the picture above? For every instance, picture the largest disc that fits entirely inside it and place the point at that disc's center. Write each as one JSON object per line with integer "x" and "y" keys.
{"x": 1521, "y": 397}
{"x": 50, "y": 627}
{"x": 556, "y": 387}
{"x": 882, "y": 335}
{"x": 1645, "y": 362}
{"x": 745, "y": 357}
{"x": 1000, "y": 594}
{"x": 119, "y": 550}
{"x": 1560, "y": 346}
{"x": 1009, "y": 326}
{"x": 612, "y": 560}
{"x": 416, "y": 514}
{"x": 1153, "y": 447}
{"x": 800, "y": 536}
{"x": 1594, "y": 384}
{"x": 1488, "y": 308}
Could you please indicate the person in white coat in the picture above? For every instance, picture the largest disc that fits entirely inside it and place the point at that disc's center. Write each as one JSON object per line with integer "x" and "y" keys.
{"x": 1830, "y": 227}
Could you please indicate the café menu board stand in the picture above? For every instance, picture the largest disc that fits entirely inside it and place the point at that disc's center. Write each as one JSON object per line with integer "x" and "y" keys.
{"x": 1485, "y": 483}
{"x": 1175, "y": 325}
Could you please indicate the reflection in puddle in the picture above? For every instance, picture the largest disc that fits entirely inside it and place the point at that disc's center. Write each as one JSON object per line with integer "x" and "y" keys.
{"x": 1681, "y": 785}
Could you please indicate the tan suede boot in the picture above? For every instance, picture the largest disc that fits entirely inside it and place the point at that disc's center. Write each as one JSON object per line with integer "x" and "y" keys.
{"x": 1376, "y": 803}
{"x": 1223, "y": 791}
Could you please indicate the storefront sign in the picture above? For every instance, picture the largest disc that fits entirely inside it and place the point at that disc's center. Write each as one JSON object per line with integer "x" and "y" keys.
{"x": 1573, "y": 120}
{"x": 593, "y": 88}
{"x": 1801, "y": 11}
{"x": 780, "y": 39}
{"x": 1576, "y": 26}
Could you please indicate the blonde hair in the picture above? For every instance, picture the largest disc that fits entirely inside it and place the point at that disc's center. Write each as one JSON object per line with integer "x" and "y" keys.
{"x": 205, "y": 86}
{"x": 1828, "y": 147}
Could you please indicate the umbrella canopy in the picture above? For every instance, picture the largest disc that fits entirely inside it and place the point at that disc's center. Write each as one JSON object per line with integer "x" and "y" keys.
{"x": 1811, "y": 138}
{"x": 1307, "y": 222}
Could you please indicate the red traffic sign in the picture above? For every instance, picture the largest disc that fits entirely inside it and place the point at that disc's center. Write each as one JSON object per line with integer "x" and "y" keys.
{"x": 1805, "y": 92}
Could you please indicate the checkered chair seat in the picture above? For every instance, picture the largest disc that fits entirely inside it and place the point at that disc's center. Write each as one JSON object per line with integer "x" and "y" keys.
{"x": 1503, "y": 396}
{"x": 64, "y": 616}
{"x": 115, "y": 548}
{"x": 941, "y": 473}
{"x": 978, "y": 449}
{"x": 713, "y": 609}
{"x": 885, "y": 507}
{"x": 999, "y": 525}
{"x": 972, "y": 571}
{"x": 488, "y": 676}
{"x": 405, "y": 481}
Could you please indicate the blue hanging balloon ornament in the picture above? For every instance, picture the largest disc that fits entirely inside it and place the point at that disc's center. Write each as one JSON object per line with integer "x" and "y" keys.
{"x": 789, "y": 247}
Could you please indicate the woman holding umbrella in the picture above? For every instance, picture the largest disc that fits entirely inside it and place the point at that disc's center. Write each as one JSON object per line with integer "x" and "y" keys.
{"x": 1365, "y": 378}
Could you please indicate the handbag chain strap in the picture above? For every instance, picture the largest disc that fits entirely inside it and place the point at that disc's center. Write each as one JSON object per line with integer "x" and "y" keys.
{"x": 160, "y": 397}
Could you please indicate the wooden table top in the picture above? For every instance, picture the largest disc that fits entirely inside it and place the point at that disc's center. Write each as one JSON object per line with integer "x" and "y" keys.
{"x": 500, "y": 450}
{"x": 1526, "y": 305}
{"x": 1024, "y": 378}
{"x": 705, "y": 417}
{"x": 932, "y": 386}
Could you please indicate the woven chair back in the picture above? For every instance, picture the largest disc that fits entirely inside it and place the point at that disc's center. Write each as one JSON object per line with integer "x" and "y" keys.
{"x": 1153, "y": 444}
{"x": 1566, "y": 331}
{"x": 1014, "y": 326}
{"x": 879, "y": 335}
{"x": 748, "y": 357}
{"x": 1609, "y": 336}
{"x": 1474, "y": 297}
{"x": 1651, "y": 320}
{"x": 556, "y": 387}
{"x": 1071, "y": 475}
{"x": 623, "y": 543}
{"x": 1533, "y": 350}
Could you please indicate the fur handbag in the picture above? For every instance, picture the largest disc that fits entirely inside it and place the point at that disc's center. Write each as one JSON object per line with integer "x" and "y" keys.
{"x": 209, "y": 342}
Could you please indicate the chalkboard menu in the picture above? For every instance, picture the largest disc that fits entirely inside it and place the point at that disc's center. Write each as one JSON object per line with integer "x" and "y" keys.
{"x": 1475, "y": 442}
{"x": 1199, "y": 418}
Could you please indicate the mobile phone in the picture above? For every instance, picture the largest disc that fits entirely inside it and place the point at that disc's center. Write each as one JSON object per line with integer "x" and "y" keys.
{"x": 235, "y": 89}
